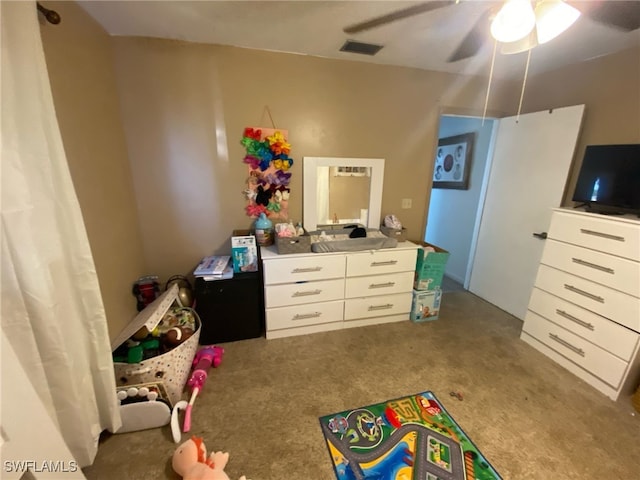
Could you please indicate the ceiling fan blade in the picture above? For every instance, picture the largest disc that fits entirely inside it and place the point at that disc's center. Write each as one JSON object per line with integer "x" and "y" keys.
{"x": 474, "y": 40}
{"x": 624, "y": 15}
{"x": 397, "y": 15}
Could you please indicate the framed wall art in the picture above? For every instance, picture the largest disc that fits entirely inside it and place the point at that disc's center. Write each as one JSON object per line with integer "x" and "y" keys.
{"x": 453, "y": 161}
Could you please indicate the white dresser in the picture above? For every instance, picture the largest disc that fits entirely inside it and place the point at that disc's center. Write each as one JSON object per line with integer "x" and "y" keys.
{"x": 314, "y": 292}
{"x": 584, "y": 310}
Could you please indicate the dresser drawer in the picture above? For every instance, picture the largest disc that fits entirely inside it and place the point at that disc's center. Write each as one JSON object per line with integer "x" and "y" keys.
{"x": 611, "y": 271}
{"x": 604, "y": 333}
{"x": 610, "y": 236}
{"x": 306, "y": 292}
{"x": 379, "y": 285}
{"x": 303, "y": 269}
{"x": 377, "y": 306}
{"x": 381, "y": 261}
{"x": 599, "y": 362}
{"x": 617, "y": 306}
{"x": 303, "y": 315}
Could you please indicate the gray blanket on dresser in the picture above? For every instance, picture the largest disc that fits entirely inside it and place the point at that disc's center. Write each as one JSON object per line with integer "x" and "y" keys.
{"x": 339, "y": 241}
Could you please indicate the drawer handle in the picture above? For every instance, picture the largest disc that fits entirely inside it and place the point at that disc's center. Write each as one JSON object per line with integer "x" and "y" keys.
{"x": 307, "y": 293}
{"x": 381, "y": 264}
{"x": 564, "y": 343}
{"x": 382, "y": 285}
{"x": 592, "y": 265}
{"x": 305, "y": 270}
{"x": 302, "y": 316}
{"x": 380, "y": 307}
{"x": 602, "y": 234}
{"x": 582, "y": 292}
{"x": 582, "y": 323}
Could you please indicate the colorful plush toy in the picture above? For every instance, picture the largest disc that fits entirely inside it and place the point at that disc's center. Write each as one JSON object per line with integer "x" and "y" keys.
{"x": 191, "y": 462}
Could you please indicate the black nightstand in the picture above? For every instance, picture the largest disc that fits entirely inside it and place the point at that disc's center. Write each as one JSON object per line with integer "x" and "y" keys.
{"x": 231, "y": 309}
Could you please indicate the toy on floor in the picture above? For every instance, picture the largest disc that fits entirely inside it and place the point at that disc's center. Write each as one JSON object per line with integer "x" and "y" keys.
{"x": 191, "y": 462}
{"x": 204, "y": 359}
{"x": 143, "y": 406}
{"x": 175, "y": 427}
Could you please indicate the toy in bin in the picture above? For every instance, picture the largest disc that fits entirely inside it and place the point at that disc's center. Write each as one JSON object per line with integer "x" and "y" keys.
{"x": 205, "y": 358}
{"x": 146, "y": 289}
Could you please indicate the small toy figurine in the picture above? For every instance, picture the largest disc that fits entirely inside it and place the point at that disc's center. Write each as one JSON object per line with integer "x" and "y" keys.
{"x": 146, "y": 289}
{"x": 191, "y": 462}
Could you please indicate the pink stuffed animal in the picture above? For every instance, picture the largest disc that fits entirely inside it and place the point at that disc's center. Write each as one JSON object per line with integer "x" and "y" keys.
{"x": 191, "y": 462}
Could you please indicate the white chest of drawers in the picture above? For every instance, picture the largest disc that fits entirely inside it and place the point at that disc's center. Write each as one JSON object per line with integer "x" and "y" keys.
{"x": 584, "y": 310}
{"x": 314, "y": 292}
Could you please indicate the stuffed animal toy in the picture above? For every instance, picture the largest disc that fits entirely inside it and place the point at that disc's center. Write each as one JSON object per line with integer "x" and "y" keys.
{"x": 191, "y": 462}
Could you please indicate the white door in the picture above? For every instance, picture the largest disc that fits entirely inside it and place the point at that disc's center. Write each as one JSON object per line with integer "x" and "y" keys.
{"x": 531, "y": 161}
{"x": 29, "y": 440}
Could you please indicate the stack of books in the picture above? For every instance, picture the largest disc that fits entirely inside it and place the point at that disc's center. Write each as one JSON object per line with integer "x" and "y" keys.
{"x": 214, "y": 267}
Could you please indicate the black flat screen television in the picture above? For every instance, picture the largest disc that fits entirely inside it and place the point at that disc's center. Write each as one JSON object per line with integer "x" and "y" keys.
{"x": 609, "y": 179}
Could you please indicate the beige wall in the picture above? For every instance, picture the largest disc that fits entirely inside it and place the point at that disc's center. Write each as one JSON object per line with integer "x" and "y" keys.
{"x": 185, "y": 107}
{"x": 610, "y": 89}
{"x": 173, "y": 193}
{"x": 80, "y": 63}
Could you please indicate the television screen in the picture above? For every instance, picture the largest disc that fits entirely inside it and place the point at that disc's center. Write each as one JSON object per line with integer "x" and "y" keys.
{"x": 609, "y": 179}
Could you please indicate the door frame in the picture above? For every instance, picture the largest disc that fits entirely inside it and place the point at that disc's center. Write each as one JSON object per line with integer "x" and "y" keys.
{"x": 495, "y": 116}
{"x": 20, "y": 450}
{"x": 481, "y": 203}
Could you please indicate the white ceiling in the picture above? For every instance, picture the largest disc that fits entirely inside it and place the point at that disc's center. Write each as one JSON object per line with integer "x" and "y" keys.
{"x": 316, "y": 28}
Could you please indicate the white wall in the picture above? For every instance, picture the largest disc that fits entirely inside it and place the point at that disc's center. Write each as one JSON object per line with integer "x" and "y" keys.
{"x": 452, "y": 213}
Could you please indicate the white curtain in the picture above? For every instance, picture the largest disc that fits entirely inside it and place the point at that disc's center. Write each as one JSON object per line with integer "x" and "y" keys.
{"x": 52, "y": 311}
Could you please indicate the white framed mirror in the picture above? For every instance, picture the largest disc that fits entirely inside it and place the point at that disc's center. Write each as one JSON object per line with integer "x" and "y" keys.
{"x": 341, "y": 191}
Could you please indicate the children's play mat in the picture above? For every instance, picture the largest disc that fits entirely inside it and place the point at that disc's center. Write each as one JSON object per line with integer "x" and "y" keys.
{"x": 408, "y": 438}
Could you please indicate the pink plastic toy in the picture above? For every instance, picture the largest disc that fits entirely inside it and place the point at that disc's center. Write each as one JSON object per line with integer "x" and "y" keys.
{"x": 205, "y": 358}
{"x": 191, "y": 462}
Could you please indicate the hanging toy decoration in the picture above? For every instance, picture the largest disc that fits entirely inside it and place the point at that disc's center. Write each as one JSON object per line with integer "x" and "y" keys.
{"x": 267, "y": 158}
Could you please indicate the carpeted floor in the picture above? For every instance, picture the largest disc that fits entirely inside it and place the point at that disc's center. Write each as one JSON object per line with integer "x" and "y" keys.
{"x": 450, "y": 285}
{"x": 530, "y": 418}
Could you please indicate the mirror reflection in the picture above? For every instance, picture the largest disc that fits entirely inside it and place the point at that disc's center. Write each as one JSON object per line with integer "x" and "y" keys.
{"x": 342, "y": 191}
{"x": 343, "y": 195}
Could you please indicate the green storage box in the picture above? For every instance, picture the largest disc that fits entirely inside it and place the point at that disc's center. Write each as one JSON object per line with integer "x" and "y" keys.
{"x": 430, "y": 267}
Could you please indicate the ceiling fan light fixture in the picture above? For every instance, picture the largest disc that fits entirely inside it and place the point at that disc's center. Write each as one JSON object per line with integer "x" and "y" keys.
{"x": 514, "y": 21}
{"x": 553, "y": 17}
{"x": 519, "y": 46}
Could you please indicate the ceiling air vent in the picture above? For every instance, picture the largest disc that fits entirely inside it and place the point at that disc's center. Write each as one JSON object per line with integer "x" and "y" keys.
{"x": 359, "y": 47}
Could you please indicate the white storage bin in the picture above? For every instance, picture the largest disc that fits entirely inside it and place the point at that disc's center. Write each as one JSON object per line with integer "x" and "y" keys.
{"x": 170, "y": 370}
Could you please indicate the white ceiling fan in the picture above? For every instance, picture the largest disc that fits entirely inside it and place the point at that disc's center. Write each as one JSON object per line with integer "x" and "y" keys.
{"x": 519, "y": 25}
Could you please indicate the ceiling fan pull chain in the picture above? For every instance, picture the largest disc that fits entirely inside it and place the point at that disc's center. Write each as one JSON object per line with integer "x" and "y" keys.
{"x": 524, "y": 82}
{"x": 493, "y": 61}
